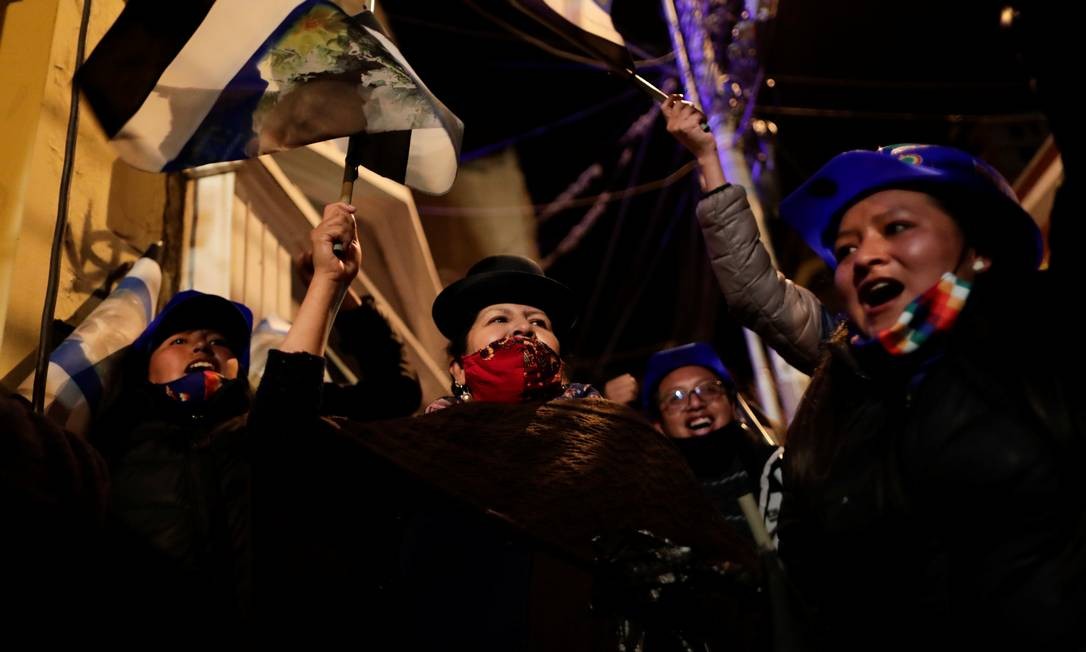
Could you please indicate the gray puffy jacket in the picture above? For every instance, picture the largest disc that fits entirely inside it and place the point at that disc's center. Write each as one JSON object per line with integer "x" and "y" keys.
{"x": 790, "y": 318}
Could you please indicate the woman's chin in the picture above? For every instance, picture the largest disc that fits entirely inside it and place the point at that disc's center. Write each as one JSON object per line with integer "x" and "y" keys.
{"x": 879, "y": 318}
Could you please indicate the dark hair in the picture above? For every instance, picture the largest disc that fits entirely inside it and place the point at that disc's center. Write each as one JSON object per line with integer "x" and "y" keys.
{"x": 1006, "y": 253}
{"x": 458, "y": 346}
{"x": 816, "y": 436}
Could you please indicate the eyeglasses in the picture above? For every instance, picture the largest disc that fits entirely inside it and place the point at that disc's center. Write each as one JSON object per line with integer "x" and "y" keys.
{"x": 708, "y": 391}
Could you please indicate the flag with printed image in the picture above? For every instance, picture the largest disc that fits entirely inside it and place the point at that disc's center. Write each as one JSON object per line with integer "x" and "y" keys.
{"x": 182, "y": 84}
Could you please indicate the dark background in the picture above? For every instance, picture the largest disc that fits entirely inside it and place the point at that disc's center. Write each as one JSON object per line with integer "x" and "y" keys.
{"x": 846, "y": 75}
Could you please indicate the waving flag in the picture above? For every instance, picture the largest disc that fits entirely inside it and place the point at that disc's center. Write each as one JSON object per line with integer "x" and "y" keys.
{"x": 83, "y": 364}
{"x": 181, "y": 84}
{"x": 583, "y": 23}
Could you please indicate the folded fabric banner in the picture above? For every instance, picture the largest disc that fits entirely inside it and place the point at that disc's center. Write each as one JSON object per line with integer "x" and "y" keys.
{"x": 84, "y": 363}
{"x": 268, "y": 334}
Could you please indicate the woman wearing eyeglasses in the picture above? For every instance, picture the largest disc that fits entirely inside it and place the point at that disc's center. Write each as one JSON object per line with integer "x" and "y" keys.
{"x": 690, "y": 397}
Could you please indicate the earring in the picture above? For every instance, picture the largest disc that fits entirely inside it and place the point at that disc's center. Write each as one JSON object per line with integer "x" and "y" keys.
{"x": 979, "y": 265}
{"x": 461, "y": 392}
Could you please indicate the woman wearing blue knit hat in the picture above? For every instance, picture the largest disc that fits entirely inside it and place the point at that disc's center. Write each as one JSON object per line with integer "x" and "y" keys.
{"x": 690, "y": 397}
{"x": 929, "y": 477}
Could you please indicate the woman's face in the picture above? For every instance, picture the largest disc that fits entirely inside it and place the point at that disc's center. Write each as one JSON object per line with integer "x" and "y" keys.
{"x": 891, "y": 247}
{"x": 188, "y": 351}
{"x": 505, "y": 319}
{"x": 502, "y": 320}
{"x": 700, "y": 413}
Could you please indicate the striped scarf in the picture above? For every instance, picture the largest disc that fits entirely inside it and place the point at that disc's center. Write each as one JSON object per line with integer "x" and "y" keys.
{"x": 934, "y": 311}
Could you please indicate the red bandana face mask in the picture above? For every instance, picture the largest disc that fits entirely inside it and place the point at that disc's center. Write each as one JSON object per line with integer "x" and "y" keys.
{"x": 512, "y": 370}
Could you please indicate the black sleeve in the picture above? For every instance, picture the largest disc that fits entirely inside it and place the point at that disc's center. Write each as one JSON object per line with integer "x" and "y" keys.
{"x": 373, "y": 400}
{"x": 290, "y": 390}
{"x": 1014, "y": 555}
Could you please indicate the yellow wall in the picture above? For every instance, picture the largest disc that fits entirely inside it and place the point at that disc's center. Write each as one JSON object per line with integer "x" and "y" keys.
{"x": 24, "y": 58}
{"x": 487, "y": 211}
{"x": 115, "y": 211}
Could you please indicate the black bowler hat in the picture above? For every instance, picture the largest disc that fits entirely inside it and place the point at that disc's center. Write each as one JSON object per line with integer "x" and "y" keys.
{"x": 502, "y": 279}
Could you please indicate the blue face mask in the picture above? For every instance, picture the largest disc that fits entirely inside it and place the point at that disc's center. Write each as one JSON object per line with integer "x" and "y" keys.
{"x": 194, "y": 388}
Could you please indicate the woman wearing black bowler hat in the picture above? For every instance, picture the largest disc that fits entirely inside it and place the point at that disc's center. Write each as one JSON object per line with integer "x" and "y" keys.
{"x": 505, "y": 321}
{"x": 512, "y": 520}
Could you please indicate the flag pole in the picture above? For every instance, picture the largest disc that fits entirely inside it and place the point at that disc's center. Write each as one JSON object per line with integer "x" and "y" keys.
{"x": 346, "y": 194}
{"x": 656, "y": 94}
{"x": 350, "y": 175}
{"x": 753, "y": 420}
{"x": 45, "y": 333}
{"x": 627, "y": 71}
{"x": 650, "y": 89}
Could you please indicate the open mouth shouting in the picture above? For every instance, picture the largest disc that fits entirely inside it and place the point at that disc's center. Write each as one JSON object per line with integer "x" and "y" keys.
{"x": 700, "y": 424}
{"x": 878, "y": 295}
{"x": 201, "y": 365}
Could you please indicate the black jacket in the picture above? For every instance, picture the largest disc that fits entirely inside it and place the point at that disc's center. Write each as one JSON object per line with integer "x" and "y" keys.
{"x": 53, "y": 488}
{"x": 952, "y": 511}
{"x": 179, "y": 536}
{"x": 730, "y": 463}
{"x": 473, "y": 528}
